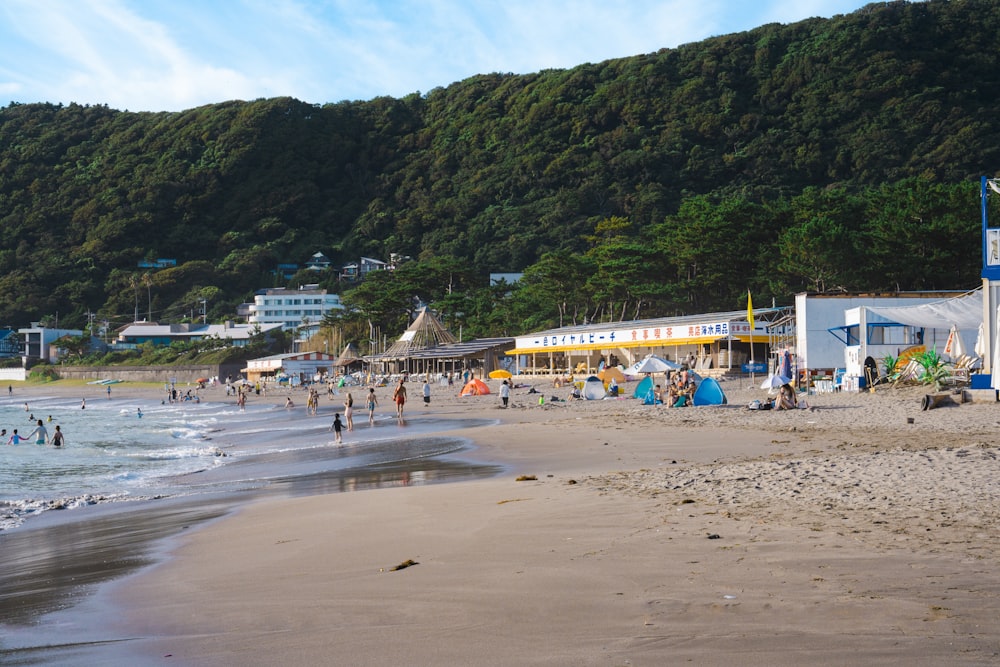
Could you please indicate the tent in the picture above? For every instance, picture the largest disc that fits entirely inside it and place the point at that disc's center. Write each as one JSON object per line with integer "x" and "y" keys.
{"x": 475, "y": 387}
{"x": 593, "y": 388}
{"x": 644, "y": 387}
{"x": 612, "y": 373}
{"x": 709, "y": 392}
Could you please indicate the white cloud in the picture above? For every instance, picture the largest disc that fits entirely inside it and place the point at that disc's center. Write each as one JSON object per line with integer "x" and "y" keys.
{"x": 175, "y": 54}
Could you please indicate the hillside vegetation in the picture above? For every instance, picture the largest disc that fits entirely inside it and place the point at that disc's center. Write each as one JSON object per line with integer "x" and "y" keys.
{"x": 835, "y": 153}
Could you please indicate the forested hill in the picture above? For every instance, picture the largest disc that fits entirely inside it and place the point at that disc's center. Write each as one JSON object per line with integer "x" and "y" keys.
{"x": 839, "y": 153}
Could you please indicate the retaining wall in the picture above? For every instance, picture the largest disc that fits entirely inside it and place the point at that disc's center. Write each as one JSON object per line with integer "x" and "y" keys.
{"x": 177, "y": 374}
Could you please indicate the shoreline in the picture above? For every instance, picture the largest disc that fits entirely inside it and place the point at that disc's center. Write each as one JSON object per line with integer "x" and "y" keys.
{"x": 607, "y": 556}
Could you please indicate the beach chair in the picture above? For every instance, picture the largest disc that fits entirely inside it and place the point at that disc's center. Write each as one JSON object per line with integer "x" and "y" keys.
{"x": 838, "y": 378}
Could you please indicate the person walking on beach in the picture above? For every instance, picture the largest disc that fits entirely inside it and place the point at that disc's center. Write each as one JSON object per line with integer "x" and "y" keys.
{"x": 109, "y": 392}
{"x": 504, "y": 393}
{"x": 349, "y": 411}
{"x": 57, "y": 437}
{"x": 372, "y": 403}
{"x": 399, "y": 397}
{"x": 336, "y": 427}
{"x": 427, "y": 393}
{"x": 40, "y": 434}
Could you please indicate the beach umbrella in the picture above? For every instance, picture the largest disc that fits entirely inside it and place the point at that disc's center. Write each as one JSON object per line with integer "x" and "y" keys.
{"x": 980, "y": 348}
{"x": 995, "y": 360}
{"x": 954, "y": 348}
{"x": 500, "y": 374}
{"x": 775, "y": 380}
{"x": 651, "y": 364}
{"x": 786, "y": 363}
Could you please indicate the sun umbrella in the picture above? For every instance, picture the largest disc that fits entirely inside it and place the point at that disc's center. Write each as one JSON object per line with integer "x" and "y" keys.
{"x": 500, "y": 374}
{"x": 774, "y": 381}
{"x": 786, "y": 363}
{"x": 981, "y": 341}
{"x": 995, "y": 360}
{"x": 954, "y": 349}
{"x": 651, "y": 364}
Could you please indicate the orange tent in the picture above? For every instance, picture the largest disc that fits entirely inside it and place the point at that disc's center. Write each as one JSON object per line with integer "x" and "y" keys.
{"x": 475, "y": 387}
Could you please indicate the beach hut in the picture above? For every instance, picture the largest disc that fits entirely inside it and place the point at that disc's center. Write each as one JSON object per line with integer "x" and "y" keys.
{"x": 425, "y": 333}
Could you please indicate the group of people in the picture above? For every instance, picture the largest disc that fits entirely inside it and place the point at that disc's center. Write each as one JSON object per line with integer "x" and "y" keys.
{"x": 371, "y": 402}
{"x": 40, "y": 436}
{"x": 679, "y": 392}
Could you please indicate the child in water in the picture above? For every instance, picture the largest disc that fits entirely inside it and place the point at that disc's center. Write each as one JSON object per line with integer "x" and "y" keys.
{"x": 337, "y": 425}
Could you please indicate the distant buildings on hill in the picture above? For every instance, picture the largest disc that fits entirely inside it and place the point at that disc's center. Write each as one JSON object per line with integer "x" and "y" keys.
{"x": 302, "y": 308}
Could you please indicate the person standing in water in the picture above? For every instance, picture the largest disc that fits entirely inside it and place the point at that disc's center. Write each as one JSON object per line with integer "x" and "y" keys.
{"x": 336, "y": 427}
{"x": 40, "y": 434}
{"x": 399, "y": 397}
{"x": 57, "y": 437}
{"x": 372, "y": 403}
{"x": 349, "y": 411}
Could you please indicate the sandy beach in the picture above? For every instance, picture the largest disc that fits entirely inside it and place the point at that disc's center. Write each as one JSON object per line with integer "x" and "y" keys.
{"x": 859, "y": 531}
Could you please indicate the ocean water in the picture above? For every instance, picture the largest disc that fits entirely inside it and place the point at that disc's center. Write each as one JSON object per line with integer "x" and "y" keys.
{"x": 112, "y": 455}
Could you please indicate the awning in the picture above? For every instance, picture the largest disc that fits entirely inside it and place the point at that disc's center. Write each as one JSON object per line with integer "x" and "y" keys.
{"x": 965, "y": 312}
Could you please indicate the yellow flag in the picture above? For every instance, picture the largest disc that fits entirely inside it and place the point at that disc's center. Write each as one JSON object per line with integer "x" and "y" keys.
{"x": 750, "y": 312}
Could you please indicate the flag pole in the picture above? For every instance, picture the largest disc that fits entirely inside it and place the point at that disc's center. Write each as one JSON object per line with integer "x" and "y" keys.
{"x": 751, "y": 323}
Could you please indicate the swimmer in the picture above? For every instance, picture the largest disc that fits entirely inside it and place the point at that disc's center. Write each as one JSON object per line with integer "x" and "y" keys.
{"x": 57, "y": 437}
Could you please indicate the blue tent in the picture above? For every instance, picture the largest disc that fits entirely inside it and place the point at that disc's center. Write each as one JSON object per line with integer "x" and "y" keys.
{"x": 709, "y": 393}
{"x": 643, "y": 388}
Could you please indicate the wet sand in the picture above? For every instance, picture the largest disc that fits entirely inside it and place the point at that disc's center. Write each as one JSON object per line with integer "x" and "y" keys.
{"x": 843, "y": 534}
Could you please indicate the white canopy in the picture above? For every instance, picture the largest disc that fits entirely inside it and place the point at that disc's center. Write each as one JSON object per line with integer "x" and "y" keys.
{"x": 964, "y": 312}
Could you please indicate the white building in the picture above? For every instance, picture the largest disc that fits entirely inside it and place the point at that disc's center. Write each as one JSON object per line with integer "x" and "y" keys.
{"x": 358, "y": 270}
{"x": 293, "y": 309}
{"x": 38, "y": 341}
{"x": 300, "y": 366}
{"x": 827, "y": 326}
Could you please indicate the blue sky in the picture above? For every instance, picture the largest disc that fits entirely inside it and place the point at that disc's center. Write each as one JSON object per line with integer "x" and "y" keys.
{"x": 168, "y": 55}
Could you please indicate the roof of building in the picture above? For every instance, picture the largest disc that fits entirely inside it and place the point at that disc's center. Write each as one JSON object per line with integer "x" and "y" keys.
{"x": 195, "y": 330}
